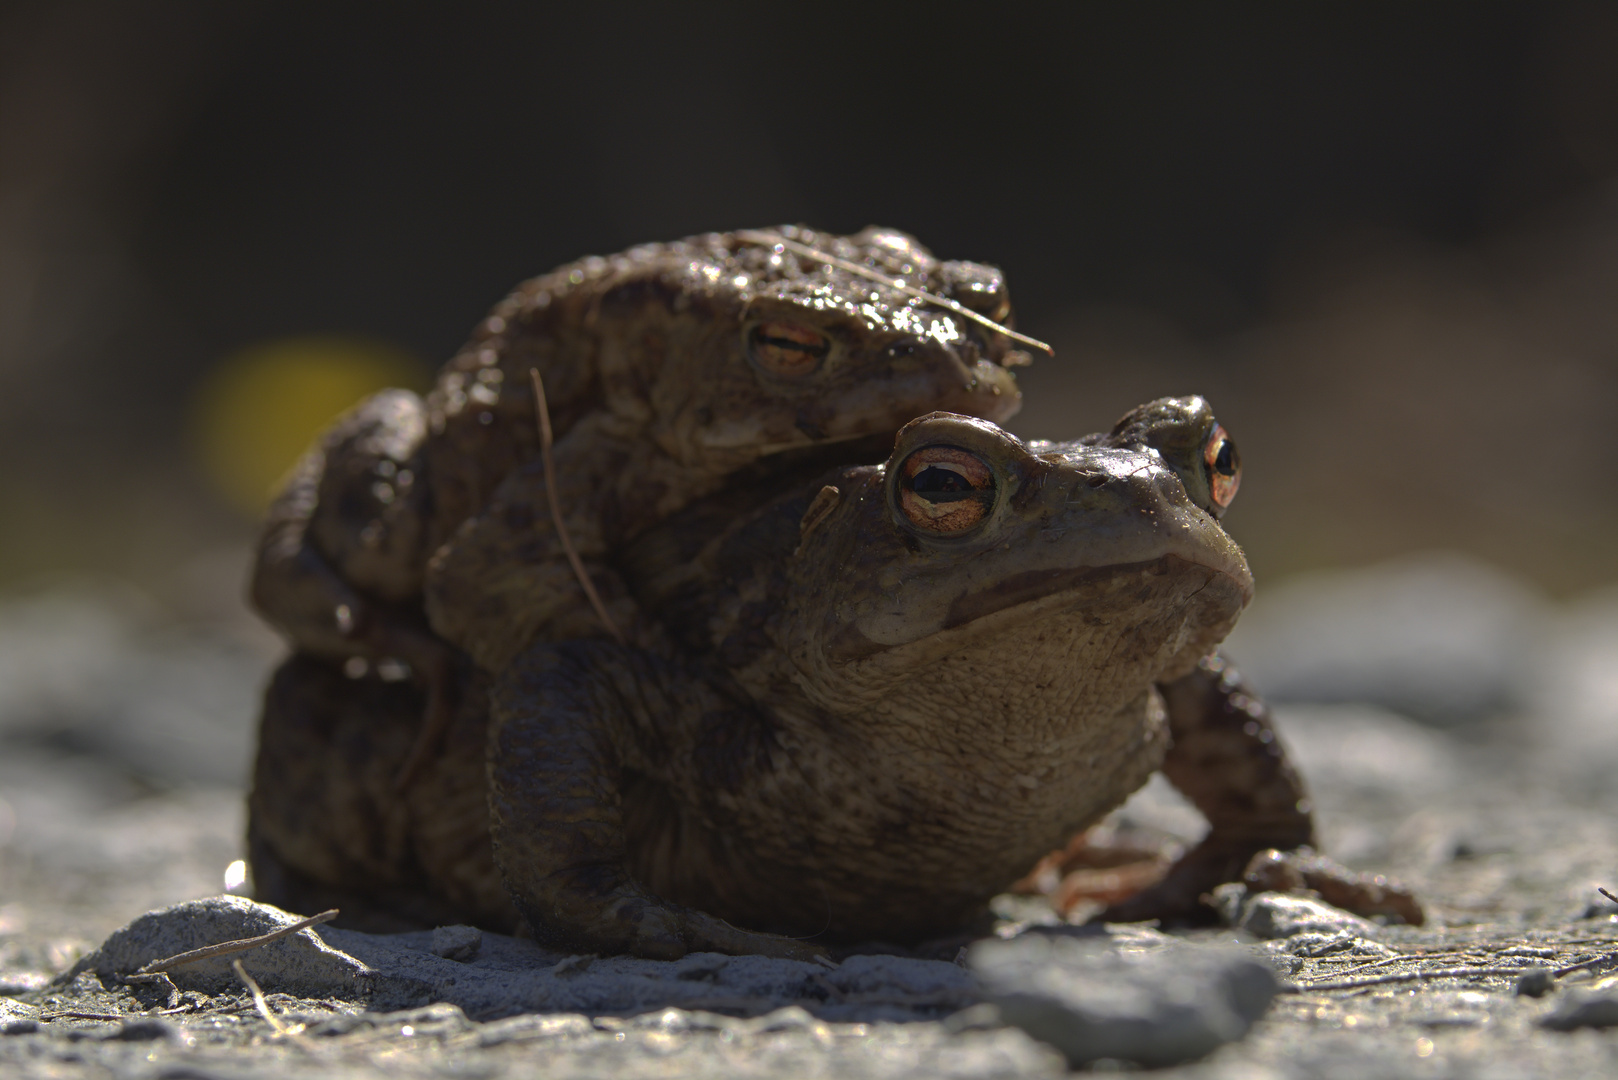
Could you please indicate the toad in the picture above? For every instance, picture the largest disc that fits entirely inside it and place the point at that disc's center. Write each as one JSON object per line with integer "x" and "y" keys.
{"x": 880, "y": 697}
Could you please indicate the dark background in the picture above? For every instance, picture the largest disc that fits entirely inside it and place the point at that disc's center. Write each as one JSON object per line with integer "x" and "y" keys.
{"x": 1382, "y": 238}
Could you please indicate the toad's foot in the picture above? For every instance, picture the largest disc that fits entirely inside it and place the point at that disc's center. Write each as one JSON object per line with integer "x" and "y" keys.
{"x": 629, "y": 920}
{"x": 1177, "y": 896}
{"x": 1370, "y": 895}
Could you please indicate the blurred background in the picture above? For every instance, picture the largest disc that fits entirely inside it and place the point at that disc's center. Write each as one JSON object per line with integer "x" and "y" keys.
{"x": 1383, "y": 239}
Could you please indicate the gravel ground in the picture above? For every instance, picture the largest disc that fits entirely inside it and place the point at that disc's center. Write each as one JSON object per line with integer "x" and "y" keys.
{"x": 124, "y": 732}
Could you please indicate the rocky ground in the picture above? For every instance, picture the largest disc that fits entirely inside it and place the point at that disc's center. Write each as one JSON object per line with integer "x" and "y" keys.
{"x": 1457, "y": 730}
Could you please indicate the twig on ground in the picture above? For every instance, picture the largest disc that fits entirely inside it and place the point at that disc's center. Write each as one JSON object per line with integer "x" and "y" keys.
{"x": 1604, "y": 958}
{"x": 1491, "y": 971}
{"x": 80, "y": 1014}
{"x": 1405, "y": 976}
{"x": 225, "y": 948}
{"x": 1367, "y": 967}
{"x": 259, "y": 1003}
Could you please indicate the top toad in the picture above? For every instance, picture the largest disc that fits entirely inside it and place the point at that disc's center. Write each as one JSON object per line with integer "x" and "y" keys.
{"x": 668, "y": 369}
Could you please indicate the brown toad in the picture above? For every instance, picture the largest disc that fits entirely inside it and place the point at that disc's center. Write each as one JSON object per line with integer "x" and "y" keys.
{"x": 669, "y": 370}
{"x": 882, "y": 696}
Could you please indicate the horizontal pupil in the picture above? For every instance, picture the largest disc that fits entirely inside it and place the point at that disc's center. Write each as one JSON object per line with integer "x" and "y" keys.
{"x": 942, "y": 486}
{"x": 788, "y": 345}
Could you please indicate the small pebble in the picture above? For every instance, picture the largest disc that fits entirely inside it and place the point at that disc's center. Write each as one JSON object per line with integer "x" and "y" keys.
{"x": 145, "y": 1029}
{"x": 1279, "y": 915}
{"x": 1092, "y": 1001}
{"x": 1580, "y": 1009}
{"x": 457, "y": 942}
{"x": 574, "y": 965}
{"x": 1535, "y": 982}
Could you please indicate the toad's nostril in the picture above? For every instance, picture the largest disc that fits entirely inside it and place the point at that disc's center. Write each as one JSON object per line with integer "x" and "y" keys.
{"x": 1091, "y": 481}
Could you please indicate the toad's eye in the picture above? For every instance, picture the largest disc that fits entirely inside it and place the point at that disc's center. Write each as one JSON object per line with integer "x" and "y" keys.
{"x": 787, "y": 349}
{"x": 1224, "y": 467}
{"x": 944, "y": 489}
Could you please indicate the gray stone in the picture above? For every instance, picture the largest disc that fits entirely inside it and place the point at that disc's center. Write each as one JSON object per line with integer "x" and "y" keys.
{"x": 1535, "y": 982}
{"x": 300, "y": 964}
{"x": 886, "y": 975}
{"x": 577, "y": 965}
{"x": 1227, "y": 899}
{"x": 143, "y": 1029}
{"x": 16, "y": 1013}
{"x": 1582, "y": 1008}
{"x": 457, "y": 942}
{"x": 491, "y": 975}
{"x": 1092, "y": 1000}
{"x": 1282, "y": 915}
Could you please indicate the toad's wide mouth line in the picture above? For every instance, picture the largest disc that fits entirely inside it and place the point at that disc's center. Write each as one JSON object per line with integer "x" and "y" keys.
{"x": 1028, "y": 596}
{"x": 1034, "y": 586}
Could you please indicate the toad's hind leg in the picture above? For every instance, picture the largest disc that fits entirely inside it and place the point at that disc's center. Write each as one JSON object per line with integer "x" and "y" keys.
{"x": 567, "y": 722}
{"x": 1226, "y": 759}
{"x": 326, "y": 827}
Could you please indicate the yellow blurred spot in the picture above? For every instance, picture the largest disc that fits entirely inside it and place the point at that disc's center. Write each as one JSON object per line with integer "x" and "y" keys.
{"x": 259, "y": 409}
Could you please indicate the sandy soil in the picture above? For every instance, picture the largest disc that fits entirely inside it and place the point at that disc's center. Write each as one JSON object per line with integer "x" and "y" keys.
{"x": 1498, "y": 808}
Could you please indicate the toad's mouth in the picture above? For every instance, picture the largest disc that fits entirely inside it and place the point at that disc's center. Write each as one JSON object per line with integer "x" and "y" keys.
{"x": 1034, "y": 587}
{"x": 1198, "y": 596}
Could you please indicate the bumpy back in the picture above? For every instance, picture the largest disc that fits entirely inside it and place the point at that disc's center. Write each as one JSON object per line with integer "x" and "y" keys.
{"x": 482, "y": 419}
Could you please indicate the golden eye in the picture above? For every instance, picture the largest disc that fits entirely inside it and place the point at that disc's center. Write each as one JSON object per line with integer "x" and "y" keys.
{"x": 787, "y": 349}
{"x": 1224, "y": 466}
{"x": 944, "y": 489}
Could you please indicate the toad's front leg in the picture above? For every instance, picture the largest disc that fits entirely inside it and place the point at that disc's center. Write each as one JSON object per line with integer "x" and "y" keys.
{"x": 340, "y": 560}
{"x": 567, "y": 722}
{"x": 1226, "y": 759}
